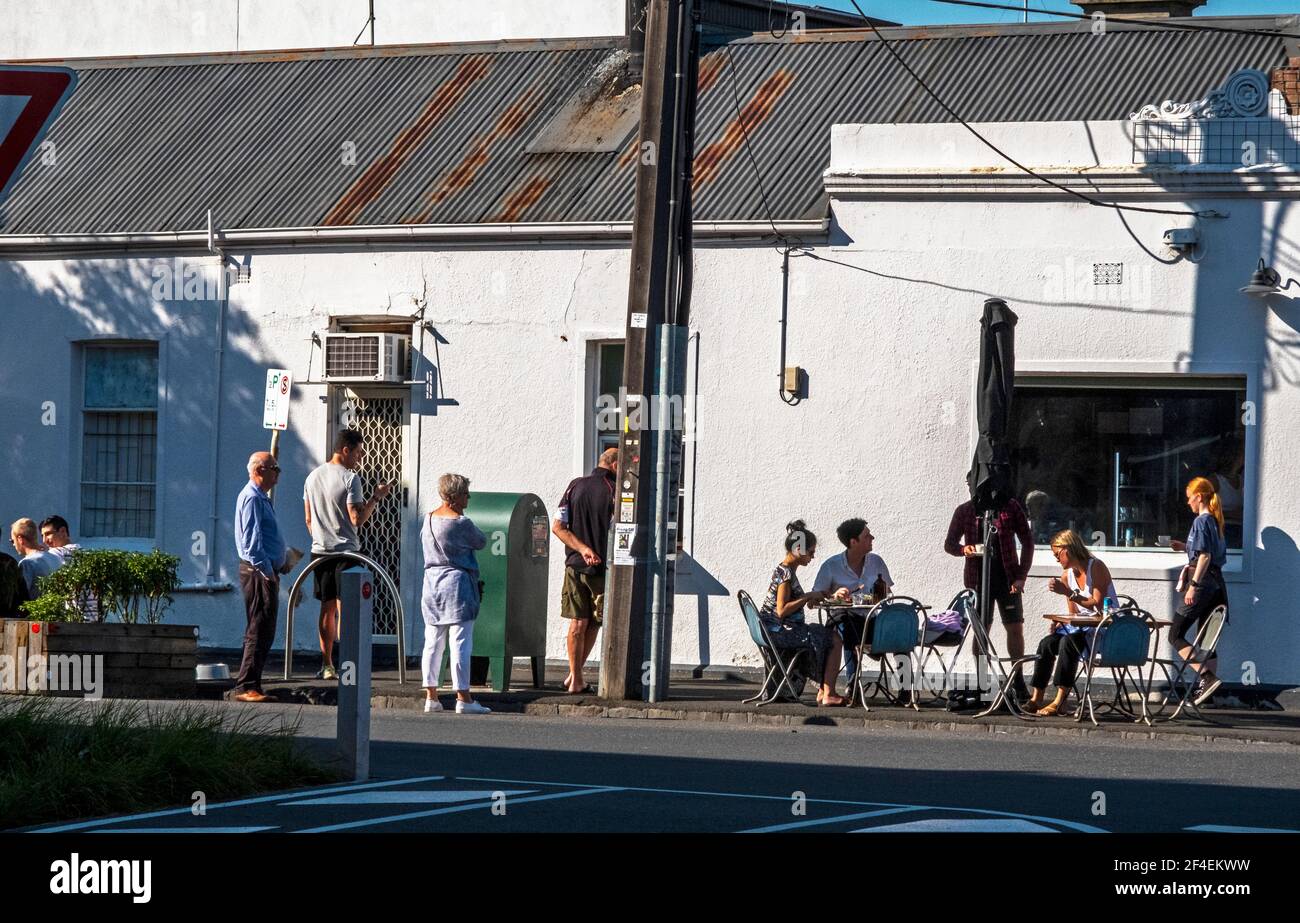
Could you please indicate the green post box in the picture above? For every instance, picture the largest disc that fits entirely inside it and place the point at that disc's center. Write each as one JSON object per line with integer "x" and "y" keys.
{"x": 514, "y": 570}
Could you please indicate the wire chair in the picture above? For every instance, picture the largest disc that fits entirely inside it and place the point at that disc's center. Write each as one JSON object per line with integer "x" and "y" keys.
{"x": 936, "y": 642}
{"x": 1204, "y": 649}
{"x": 776, "y": 661}
{"x": 895, "y": 627}
{"x": 1122, "y": 644}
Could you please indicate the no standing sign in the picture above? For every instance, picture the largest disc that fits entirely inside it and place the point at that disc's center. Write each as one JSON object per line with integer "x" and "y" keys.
{"x": 279, "y": 388}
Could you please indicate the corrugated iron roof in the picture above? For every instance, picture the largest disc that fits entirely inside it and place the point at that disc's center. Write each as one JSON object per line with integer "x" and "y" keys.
{"x": 441, "y": 132}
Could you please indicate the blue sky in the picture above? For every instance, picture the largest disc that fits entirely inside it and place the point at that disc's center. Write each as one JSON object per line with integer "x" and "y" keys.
{"x": 925, "y": 12}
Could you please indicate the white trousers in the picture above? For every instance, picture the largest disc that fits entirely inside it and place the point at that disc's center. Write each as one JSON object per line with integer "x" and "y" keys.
{"x": 435, "y": 642}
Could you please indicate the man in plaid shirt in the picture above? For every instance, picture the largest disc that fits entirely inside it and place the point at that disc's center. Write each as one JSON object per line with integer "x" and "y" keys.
{"x": 1007, "y": 570}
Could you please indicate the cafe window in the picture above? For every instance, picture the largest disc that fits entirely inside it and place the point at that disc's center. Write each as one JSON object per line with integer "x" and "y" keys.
{"x": 604, "y": 405}
{"x": 119, "y": 441}
{"x": 1111, "y": 458}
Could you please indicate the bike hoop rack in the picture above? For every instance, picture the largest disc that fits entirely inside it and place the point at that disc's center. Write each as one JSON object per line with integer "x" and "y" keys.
{"x": 295, "y": 592}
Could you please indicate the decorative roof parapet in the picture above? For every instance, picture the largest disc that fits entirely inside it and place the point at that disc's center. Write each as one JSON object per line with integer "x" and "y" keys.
{"x": 1243, "y": 95}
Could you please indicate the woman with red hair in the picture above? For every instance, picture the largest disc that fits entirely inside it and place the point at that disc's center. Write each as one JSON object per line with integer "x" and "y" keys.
{"x": 1207, "y": 552}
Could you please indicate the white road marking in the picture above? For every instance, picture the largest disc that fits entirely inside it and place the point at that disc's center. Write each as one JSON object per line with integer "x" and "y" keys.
{"x": 1222, "y": 828}
{"x": 395, "y": 818}
{"x": 261, "y": 799}
{"x": 410, "y": 796}
{"x": 795, "y": 825}
{"x": 1072, "y": 825}
{"x": 959, "y": 825}
{"x": 187, "y": 830}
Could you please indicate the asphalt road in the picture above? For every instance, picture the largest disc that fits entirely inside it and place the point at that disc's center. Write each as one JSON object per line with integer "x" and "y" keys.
{"x": 508, "y": 773}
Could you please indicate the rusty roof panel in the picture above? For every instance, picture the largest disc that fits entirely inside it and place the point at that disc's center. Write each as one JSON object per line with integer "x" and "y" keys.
{"x": 469, "y": 134}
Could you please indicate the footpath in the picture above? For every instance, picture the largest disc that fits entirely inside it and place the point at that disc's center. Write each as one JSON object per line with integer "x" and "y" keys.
{"x": 718, "y": 697}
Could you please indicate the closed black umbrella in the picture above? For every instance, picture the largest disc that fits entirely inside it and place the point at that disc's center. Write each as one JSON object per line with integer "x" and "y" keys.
{"x": 990, "y": 478}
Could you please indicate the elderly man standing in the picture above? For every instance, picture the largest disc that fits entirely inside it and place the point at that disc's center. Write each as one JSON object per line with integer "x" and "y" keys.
{"x": 261, "y": 556}
{"x": 34, "y": 560}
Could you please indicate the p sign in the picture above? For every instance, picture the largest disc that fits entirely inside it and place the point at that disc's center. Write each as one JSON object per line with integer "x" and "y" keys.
{"x": 29, "y": 99}
{"x": 279, "y": 386}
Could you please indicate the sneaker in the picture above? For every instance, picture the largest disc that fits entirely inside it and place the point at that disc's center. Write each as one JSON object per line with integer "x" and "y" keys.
{"x": 432, "y": 705}
{"x": 327, "y": 673}
{"x": 471, "y": 708}
{"x": 1205, "y": 691}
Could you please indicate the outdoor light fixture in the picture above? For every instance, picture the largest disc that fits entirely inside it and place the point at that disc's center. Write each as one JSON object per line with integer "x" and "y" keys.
{"x": 1265, "y": 281}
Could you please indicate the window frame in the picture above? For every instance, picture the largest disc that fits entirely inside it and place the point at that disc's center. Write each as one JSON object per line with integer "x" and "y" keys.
{"x": 1146, "y": 564}
{"x": 135, "y": 542}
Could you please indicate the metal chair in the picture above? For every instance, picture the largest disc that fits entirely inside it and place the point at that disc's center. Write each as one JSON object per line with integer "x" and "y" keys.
{"x": 935, "y": 642}
{"x": 895, "y": 626}
{"x": 1204, "y": 648}
{"x": 775, "y": 660}
{"x": 1007, "y": 667}
{"x": 1121, "y": 644}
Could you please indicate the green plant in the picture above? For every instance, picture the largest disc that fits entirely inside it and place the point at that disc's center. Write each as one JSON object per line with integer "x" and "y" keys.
{"x": 126, "y": 584}
{"x": 63, "y": 760}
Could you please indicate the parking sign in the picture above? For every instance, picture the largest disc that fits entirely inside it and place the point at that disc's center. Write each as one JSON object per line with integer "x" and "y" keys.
{"x": 279, "y": 385}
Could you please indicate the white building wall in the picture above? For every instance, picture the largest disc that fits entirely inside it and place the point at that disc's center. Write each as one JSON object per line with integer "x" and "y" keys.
{"x": 888, "y": 335}
{"x": 96, "y": 28}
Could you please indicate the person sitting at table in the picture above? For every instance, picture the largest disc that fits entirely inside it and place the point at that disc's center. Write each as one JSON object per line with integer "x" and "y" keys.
{"x": 782, "y": 613}
{"x": 855, "y": 570}
{"x": 1086, "y": 584}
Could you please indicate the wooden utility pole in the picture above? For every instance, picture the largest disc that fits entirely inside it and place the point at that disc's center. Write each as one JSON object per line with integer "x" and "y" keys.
{"x": 638, "y": 598}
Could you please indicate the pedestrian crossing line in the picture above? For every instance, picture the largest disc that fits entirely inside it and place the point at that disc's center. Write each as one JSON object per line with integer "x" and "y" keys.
{"x": 843, "y": 818}
{"x": 415, "y": 815}
{"x": 261, "y": 799}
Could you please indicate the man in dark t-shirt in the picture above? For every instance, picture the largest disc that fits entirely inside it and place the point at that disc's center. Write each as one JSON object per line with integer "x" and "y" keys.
{"x": 586, "y": 511}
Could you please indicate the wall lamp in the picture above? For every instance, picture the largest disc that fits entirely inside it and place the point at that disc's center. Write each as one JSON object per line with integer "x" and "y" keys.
{"x": 1265, "y": 280}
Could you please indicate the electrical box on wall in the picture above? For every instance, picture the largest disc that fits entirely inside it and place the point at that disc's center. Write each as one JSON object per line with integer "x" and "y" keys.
{"x": 372, "y": 357}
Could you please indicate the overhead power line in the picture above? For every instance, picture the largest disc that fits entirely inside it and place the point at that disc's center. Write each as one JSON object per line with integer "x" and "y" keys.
{"x": 1147, "y": 23}
{"x": 1003, "y": 154}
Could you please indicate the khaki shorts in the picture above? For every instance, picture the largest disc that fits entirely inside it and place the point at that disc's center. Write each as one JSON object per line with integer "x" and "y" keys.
{"x": 583, "y": 596}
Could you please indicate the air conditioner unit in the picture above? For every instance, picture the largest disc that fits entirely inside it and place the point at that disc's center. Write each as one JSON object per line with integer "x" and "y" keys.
{"x": 372, "y": 357}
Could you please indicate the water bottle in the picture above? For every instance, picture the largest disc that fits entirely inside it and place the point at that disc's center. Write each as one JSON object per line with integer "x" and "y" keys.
{"x": 1105, "y": 608}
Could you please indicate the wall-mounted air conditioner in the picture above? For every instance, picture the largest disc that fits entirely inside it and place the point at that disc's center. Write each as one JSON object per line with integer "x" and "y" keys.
{"x": 371, "y": 357}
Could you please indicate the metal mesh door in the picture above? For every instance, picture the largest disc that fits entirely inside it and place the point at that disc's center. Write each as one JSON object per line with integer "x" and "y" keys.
{"x": 380, "y": 420}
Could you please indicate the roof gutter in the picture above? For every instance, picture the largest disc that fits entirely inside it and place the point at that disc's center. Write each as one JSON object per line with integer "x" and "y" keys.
{"x": 463, "y": 234}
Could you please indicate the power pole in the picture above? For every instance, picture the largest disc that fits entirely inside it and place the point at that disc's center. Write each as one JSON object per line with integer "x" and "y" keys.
{"x": 639, "y": 595}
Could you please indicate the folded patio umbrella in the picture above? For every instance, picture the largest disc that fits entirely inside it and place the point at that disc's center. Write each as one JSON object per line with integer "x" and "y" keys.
{"x": 990, "y": 480}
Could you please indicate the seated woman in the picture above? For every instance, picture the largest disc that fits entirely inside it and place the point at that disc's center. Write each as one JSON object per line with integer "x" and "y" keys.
{"x": 1086, "y": 584}
{"x": 782, "y": 613}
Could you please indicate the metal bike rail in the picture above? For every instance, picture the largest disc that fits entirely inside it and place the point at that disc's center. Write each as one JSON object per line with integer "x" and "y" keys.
{"x": 295, "y": 592}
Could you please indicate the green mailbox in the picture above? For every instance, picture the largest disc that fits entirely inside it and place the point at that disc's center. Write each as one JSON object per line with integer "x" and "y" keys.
{"x": 514, "y": 571}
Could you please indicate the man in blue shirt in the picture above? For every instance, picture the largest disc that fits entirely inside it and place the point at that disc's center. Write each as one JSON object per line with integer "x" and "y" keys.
{"x": 261, "y": 556}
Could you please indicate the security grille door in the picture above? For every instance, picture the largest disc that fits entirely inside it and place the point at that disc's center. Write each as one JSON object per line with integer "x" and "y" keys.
{"x": 382, "y": 421}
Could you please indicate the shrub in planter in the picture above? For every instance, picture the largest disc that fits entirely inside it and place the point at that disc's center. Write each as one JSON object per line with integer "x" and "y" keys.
{"x": 98, "y": 584}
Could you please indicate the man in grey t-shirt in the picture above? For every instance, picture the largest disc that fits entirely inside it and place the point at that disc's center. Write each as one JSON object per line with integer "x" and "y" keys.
{"x": 335, "y": 509}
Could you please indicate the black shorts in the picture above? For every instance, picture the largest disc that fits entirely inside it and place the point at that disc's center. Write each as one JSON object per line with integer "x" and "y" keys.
{"x": 326, "y": 576}
{"x": 1011, "y": 606}
{"x": 1186, "y": 617}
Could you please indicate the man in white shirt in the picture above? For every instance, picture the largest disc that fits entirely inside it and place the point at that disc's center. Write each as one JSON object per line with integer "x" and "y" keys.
{"x": 57, "y": 539}
{"x": 34, "y": 561}
{"x": 855, "y": 570}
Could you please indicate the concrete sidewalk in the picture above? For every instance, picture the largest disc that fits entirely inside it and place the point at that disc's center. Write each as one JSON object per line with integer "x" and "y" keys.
{"x": 718, "y": 698}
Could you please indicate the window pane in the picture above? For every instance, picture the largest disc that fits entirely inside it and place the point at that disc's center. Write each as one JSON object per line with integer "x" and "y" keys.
{"x": 611, "y": 369}
{"x": 117, "y": 511}
{"x": 121, "y": 376}
{"x": 1112, "y": 463}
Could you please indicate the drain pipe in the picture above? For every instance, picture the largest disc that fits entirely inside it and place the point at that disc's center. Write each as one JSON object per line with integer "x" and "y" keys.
{"x": 223, "y": 299}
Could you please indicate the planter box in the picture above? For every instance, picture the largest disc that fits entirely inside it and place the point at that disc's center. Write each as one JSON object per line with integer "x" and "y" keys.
{"x": 123, "y": 661}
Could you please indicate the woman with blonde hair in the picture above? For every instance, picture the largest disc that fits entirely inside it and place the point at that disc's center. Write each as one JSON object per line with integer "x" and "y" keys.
{"x": 1202, "y": 577}
{"x": 1086, "y": 584}
{"x": 450, "y": 598}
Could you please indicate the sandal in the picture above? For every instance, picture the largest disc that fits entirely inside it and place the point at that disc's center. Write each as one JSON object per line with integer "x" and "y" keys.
{"x": 1049, "y": 710}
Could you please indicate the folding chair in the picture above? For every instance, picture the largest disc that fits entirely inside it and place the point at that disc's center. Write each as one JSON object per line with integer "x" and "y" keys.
{"x": 1007, "y": 667}
{"x": 895, "y": 626}
{"x": 1121, "y": 643}
{"x": 775, "y": 660}
{"x": 935, "y": 642}
{"x": 1203, "y": 650}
